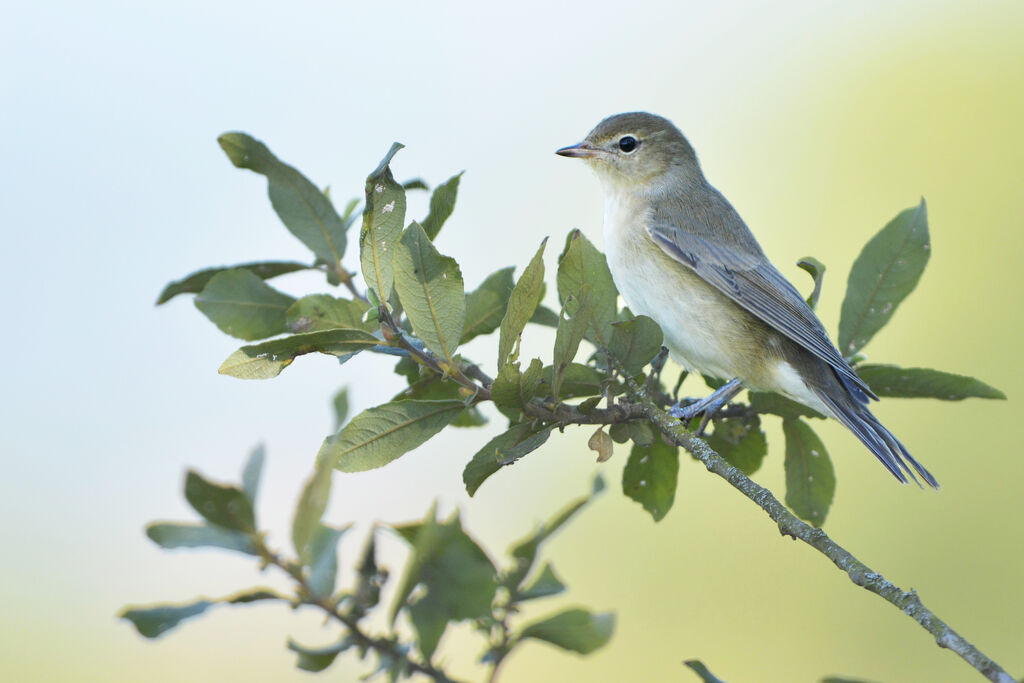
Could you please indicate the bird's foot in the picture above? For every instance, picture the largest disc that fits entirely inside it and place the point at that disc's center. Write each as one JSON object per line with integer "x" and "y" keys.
{"x": 707, "y": 406}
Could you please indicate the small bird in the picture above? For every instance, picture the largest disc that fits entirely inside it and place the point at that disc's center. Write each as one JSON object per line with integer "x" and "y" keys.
{"x": 680, "y": 253}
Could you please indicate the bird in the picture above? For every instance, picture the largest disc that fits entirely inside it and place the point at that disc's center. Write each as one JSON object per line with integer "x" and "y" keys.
{"x": 679, "y": 253}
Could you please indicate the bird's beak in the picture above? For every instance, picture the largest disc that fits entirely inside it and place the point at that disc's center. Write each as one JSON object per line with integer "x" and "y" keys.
{"x": 582, "y": 150}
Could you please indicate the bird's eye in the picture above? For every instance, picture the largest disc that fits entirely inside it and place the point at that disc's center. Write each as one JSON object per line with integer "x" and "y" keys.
{"x": 628, "y": 144}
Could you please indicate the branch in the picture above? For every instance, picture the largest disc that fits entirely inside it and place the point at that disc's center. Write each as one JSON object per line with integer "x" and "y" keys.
{"x": 790, "y": 525}
{"x": 384, "y": 645}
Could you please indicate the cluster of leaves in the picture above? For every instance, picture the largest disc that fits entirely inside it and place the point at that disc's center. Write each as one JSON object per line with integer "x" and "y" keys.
{"x": 448, "y": 577}
{"x": 415, "y": 306}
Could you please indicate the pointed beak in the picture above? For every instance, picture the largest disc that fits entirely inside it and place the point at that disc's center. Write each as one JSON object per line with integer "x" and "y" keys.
{"x": 582, "y": 150}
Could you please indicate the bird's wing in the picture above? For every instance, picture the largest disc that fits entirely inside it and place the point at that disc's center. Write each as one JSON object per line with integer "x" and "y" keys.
{"x": 754, "y": 283}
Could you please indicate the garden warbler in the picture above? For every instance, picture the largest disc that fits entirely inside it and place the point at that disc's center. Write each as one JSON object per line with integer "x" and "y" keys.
{"x": 680, "y": 253}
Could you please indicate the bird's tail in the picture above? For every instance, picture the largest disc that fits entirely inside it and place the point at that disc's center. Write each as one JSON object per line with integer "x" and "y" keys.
{"x": 854, "y": 414}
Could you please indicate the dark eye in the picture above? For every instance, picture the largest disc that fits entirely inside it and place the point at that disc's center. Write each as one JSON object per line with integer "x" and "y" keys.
{"x": 628, "y": 144}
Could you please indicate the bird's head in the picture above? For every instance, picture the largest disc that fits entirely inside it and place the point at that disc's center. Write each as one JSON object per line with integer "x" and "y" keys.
{"x": 637, "y": 150}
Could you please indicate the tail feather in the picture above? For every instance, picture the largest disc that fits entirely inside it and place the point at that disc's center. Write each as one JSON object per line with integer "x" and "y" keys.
{"x": 879, "y": 440}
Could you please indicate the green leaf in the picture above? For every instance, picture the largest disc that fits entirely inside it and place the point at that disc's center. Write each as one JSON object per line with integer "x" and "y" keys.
{"x": 816, "y": 269}
{"x": 702, "y": 671}
{"x": 577, "y": 630}
{"x": 578, "y": 380}
{"x": 267, "y": 360}
{"x": 810, "y": 479}
{"x": 572, "y": 326}
{"x": 637, "y": 431}
{"x": 340, "y": 405}
{"x": 885, "y": 272}
{"x": 194, "y": 282}
{"x": 433, "y": 387}
{"x": 741, "y": 442}
{"x": 529, "y": 385}
{"x": 318, "y": 658}
{"x": 310, "y": 509}
{"x": 383, "y": 220}
{"x": 322, "y": 552}
{"x": 525, "y": 550}
{"x": 324, "y": 312}
{"x": 172, "y": 535}
{"x": 544, "y": 316}
{"x": 650, "y": 477}
{"x": 486, "y": 305}
{"x": 522, "y": 303}
{"x": 457, "y": 577}
{"x": 635, "y": 343}
{"x": 153, "y": 622}
{"x": 896, "y": 382}
{"x": 442, "y": 203}
{"x": 370, "y": 578}
{"x": 430, "y": 288}
{"x": 225, "y": 506}
{"x": 777, "y": 404}
{"x": 546, "y": 583}
{"x": 582, "y": 264}
{"x": 302, "y": 207}
{"x": 502, "y": 450}
{"x": 242, "y": 305}
{"x": 376, "y": 436}
{"x": 252, "y": 472}
{"x": 505, "y": 391}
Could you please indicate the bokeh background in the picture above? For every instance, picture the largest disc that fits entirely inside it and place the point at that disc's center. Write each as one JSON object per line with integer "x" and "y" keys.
{"x": 820, "y": 121}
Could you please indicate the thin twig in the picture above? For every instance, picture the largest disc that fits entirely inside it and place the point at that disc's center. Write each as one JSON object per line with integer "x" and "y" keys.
{"x": 789, "y": 525}
{"x": 384, "y": 645}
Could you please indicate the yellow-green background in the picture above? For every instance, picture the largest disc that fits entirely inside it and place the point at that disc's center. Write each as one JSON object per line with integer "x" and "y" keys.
{"x": 820, "y": 121}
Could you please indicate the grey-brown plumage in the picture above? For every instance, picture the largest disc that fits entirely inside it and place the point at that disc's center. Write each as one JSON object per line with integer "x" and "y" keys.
{"x": 680, "y": 253}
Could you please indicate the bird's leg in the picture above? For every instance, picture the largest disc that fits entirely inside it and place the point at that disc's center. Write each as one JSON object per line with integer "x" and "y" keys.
{"x": 708, "y": 405}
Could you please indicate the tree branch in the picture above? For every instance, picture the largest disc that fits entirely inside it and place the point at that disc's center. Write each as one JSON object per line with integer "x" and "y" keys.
{"x": 790, "y": 525}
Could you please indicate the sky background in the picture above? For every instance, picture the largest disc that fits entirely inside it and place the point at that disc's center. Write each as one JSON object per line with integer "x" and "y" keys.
{"x": 819, "y": 121}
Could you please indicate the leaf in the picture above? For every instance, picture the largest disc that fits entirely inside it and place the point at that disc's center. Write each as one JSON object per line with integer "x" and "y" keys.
{"x": 650, "y": 477}
{"x": 442, "y": 203}
{"x": 302, "y": 207}
{"x": 486, "y": 305}
{"x": 324, "y": 312}
{"x": 194, "y": 282}
{"x": 544, "y": 316}
{"x": 522, "y": 303}
{"x": 153, "y": 622}
{"x": 885, "y": 272}
{"x": 741, "y": 442}
{"x": 225, "y": 506}
{"x": 816, "y": 269}
{"x": 577, "y": 380}
{"x": 433, "y": 387}
{"x": 582, "y": 264}
{"x": 572, "y": 326}
{"x": 896, "y": 382}
{"x": 310, "y": 509}
{"x": 458, "y": 579}
{"x": 322, "y": 552}
{"x": 172, "y": 535}
{"x": 318, "y": 659}
{"x": 810, "y": 479}
{"x": 702, "y": 671}
{"x": 252, "y": 471}
{"x": 529, "y": 385}
{"x": 340, "y": 405}
{"x": 242, "y": 305}
{"x": 267, "y": 360}
{"x": 777, "y": 404}
{"x": 383, "y": 220}
{"x": 577, "y": 630}
{"x": 525, "y": 550}
{"x": 376, "y": 436}
{"x": 543, "y": 585}
{"x": 430, "y": 288}
{"x": 502, "y": 450}
{"x": 370, "y": 578}
{"x": 635, "y": 343}
{"x": 601, "y": 443}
